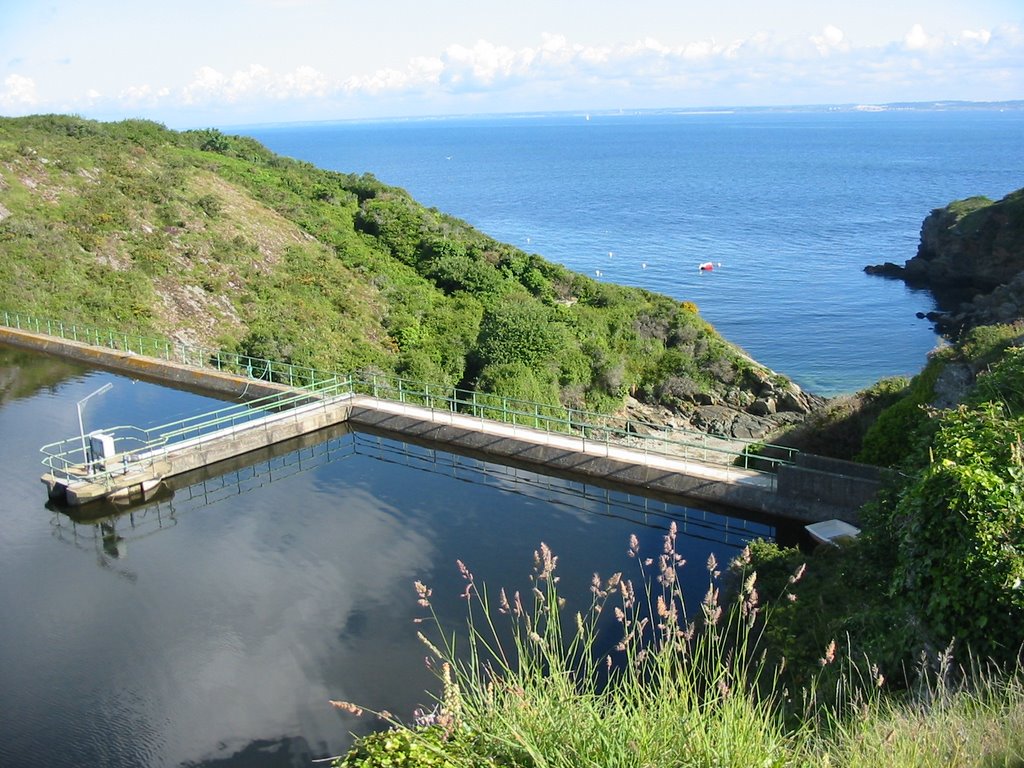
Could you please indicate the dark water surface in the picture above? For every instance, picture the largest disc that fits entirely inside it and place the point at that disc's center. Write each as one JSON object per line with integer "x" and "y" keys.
{"x": 794, "y": 206}
{"x": 212, "y": 626}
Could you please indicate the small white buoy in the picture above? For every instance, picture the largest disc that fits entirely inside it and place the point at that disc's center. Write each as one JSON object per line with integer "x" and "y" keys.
{"x": 643, "y": 265}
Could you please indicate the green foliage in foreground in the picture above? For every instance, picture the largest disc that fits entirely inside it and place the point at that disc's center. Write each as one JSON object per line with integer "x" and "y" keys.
{"x": 953, "y": 522}
{"x": 941, "y": 556}
{"x": 894, "y": 434}
{"x": 837, "y": 667}
{"x": 531, "y": 686}
{"x": 214, "y": 239}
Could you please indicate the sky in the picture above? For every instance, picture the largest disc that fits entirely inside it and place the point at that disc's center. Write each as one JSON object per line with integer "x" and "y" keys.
{"x": 199, "y": 63}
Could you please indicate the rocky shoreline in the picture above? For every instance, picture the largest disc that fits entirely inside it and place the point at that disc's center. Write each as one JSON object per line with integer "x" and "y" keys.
{"x": 971, "y": 258}
{"x": 751, "y": 414}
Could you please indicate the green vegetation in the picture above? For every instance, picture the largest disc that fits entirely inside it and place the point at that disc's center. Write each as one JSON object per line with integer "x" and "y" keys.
{"x": 942, "y": 553}
{"x": 213, "y": 239}
{"x": 841, "y": 657}
{"x": 972, "y": 214}
{"x": 904, "y": 423}
{"x": 532, "y": 683}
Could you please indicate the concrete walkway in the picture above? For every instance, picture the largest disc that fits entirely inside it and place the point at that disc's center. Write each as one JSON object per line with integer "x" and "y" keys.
{"x": 675, "y": 475}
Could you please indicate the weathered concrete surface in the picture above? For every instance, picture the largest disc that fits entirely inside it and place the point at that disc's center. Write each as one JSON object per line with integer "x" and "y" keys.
{"x": 825, "y": 481}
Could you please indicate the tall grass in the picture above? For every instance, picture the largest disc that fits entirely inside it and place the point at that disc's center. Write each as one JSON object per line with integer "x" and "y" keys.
{"x": 533, "y": 687}
{"x": 633, "y": 681}
{"x": 978, "y": 723}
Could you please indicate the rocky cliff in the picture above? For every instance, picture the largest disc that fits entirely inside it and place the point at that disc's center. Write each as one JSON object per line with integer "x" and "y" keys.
{"x": 971, "y": 256}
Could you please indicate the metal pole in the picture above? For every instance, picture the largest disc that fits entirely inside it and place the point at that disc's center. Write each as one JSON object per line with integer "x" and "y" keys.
{"x": 81, "y": 427}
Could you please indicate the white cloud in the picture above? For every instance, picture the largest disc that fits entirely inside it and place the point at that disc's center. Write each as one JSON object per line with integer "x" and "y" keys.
{"x": 18, "y": 93}
{"x": 209, "y": 85}
{"x": 556, "y": 71}
{"x": 814, "y": 69}
{"x": 976, "y": 36}
{"x": 918, "y": 40}
{"x": 486, "y": 64}
{"x": 830, "y": 39}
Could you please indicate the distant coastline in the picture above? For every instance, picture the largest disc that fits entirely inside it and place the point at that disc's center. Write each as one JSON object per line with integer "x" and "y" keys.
{"x": 1015, "y": 105}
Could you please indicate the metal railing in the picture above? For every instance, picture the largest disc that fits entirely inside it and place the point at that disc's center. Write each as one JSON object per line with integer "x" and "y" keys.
{"x": 612, "y": 430}
{"x": 140, "y": 448}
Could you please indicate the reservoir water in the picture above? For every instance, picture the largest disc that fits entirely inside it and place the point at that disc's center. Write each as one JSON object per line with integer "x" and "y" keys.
{"x": 211, "y": 626}
{"x": 793, "y": 206}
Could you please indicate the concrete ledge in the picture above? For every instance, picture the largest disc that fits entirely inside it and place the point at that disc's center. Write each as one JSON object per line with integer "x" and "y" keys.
{"x": 805, "y": 494}
{"x": 148, "y": 368}
{"x": 723, "y": 487}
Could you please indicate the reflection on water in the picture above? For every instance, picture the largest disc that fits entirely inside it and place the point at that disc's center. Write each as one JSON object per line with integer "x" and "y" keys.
{"x": 211, "y": 624}
{"x": 22, "y": 373}
{"x": 199, "y": 489}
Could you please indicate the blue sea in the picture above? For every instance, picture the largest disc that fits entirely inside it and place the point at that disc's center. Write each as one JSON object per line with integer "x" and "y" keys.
{"x": 792, "y": 206}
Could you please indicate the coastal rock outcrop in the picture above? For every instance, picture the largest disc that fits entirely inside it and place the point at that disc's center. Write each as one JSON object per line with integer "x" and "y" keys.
{"x": 748, "y": 414}
{"x": 971, "y": 257}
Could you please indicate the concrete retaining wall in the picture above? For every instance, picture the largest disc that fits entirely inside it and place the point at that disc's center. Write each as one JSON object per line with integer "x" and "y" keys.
{"x": 808, "y": 493}
{"x": 252, "y": 436}
{"x": 750, "y": 497}
{"x": 844, "y": 494}
{"x": 839, "y": 467}
{"x": 148, "y": 368}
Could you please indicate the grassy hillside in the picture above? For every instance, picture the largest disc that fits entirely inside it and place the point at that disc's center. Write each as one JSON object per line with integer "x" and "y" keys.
{"x": 213, "y": 239}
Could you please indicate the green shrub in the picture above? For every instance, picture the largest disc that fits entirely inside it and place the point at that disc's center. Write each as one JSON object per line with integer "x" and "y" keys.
{"x": 959, "y": 529}
{"x": 400, "y": 748}
{"x": 897, "y": 432}
{"x": 1003, "y": 383}
{"x": 984, "y": 344}
{"x": 516, "y": 332}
